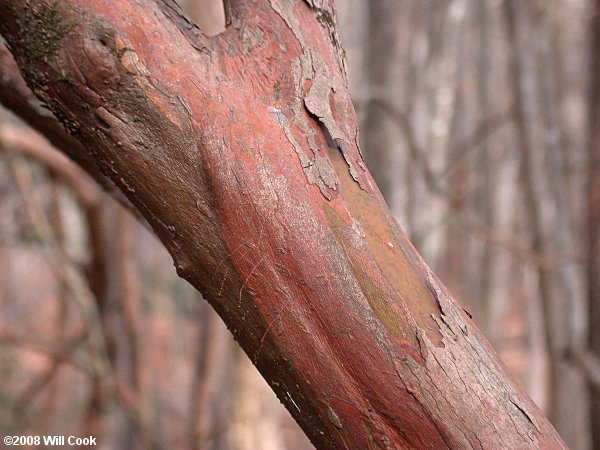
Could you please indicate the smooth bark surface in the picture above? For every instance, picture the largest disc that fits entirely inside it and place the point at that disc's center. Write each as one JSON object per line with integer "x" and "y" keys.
{"x": 241, "y": 152}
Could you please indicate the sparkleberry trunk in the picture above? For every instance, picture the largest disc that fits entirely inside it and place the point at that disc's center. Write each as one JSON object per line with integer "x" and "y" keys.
{"x": 241, "y": 152}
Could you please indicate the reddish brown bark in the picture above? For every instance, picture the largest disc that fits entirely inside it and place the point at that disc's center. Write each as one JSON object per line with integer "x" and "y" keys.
{"x": 241, "y": 152}
{"x": 16, "y": 96}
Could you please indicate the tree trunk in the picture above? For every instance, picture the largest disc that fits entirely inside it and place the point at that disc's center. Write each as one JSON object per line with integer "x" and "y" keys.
{"x": 255, "y": 421}
{"x": 241, "y": 152}
{"x": 593, "y": 208}
{"x": 384, "y": 24}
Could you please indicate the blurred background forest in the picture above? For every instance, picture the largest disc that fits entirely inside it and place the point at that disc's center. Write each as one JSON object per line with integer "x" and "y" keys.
{"x": 480, "y": 122}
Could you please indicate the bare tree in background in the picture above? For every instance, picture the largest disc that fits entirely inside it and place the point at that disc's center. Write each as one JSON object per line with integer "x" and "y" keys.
{"x": 593, "y": 223}
{"x": 482, "y": 148}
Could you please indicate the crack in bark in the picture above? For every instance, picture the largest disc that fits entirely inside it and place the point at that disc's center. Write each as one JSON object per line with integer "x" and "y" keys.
{"x": 188, "y": 28}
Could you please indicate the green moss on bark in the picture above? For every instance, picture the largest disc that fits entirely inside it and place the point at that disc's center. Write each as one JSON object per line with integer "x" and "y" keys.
{"x": 40, "y": 30}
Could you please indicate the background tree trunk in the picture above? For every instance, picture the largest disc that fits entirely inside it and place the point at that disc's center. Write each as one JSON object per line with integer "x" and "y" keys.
{"x": 593, "y": 266}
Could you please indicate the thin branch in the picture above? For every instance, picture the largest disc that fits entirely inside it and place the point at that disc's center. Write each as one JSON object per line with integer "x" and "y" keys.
{"x": 589, "y": 362}
{"x": 60, "y": 264}
{"x": 41, "y": 380}
{"x": 32, "y": 145}
{"x": 52, "y": 350}
{"x": 486, "y": 128}
{"x": 508, "y": 242}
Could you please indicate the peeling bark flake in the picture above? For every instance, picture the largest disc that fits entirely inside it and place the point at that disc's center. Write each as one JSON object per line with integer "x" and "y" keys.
{"x": 335, "y": 419}
{"x": 317, "y": 169}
